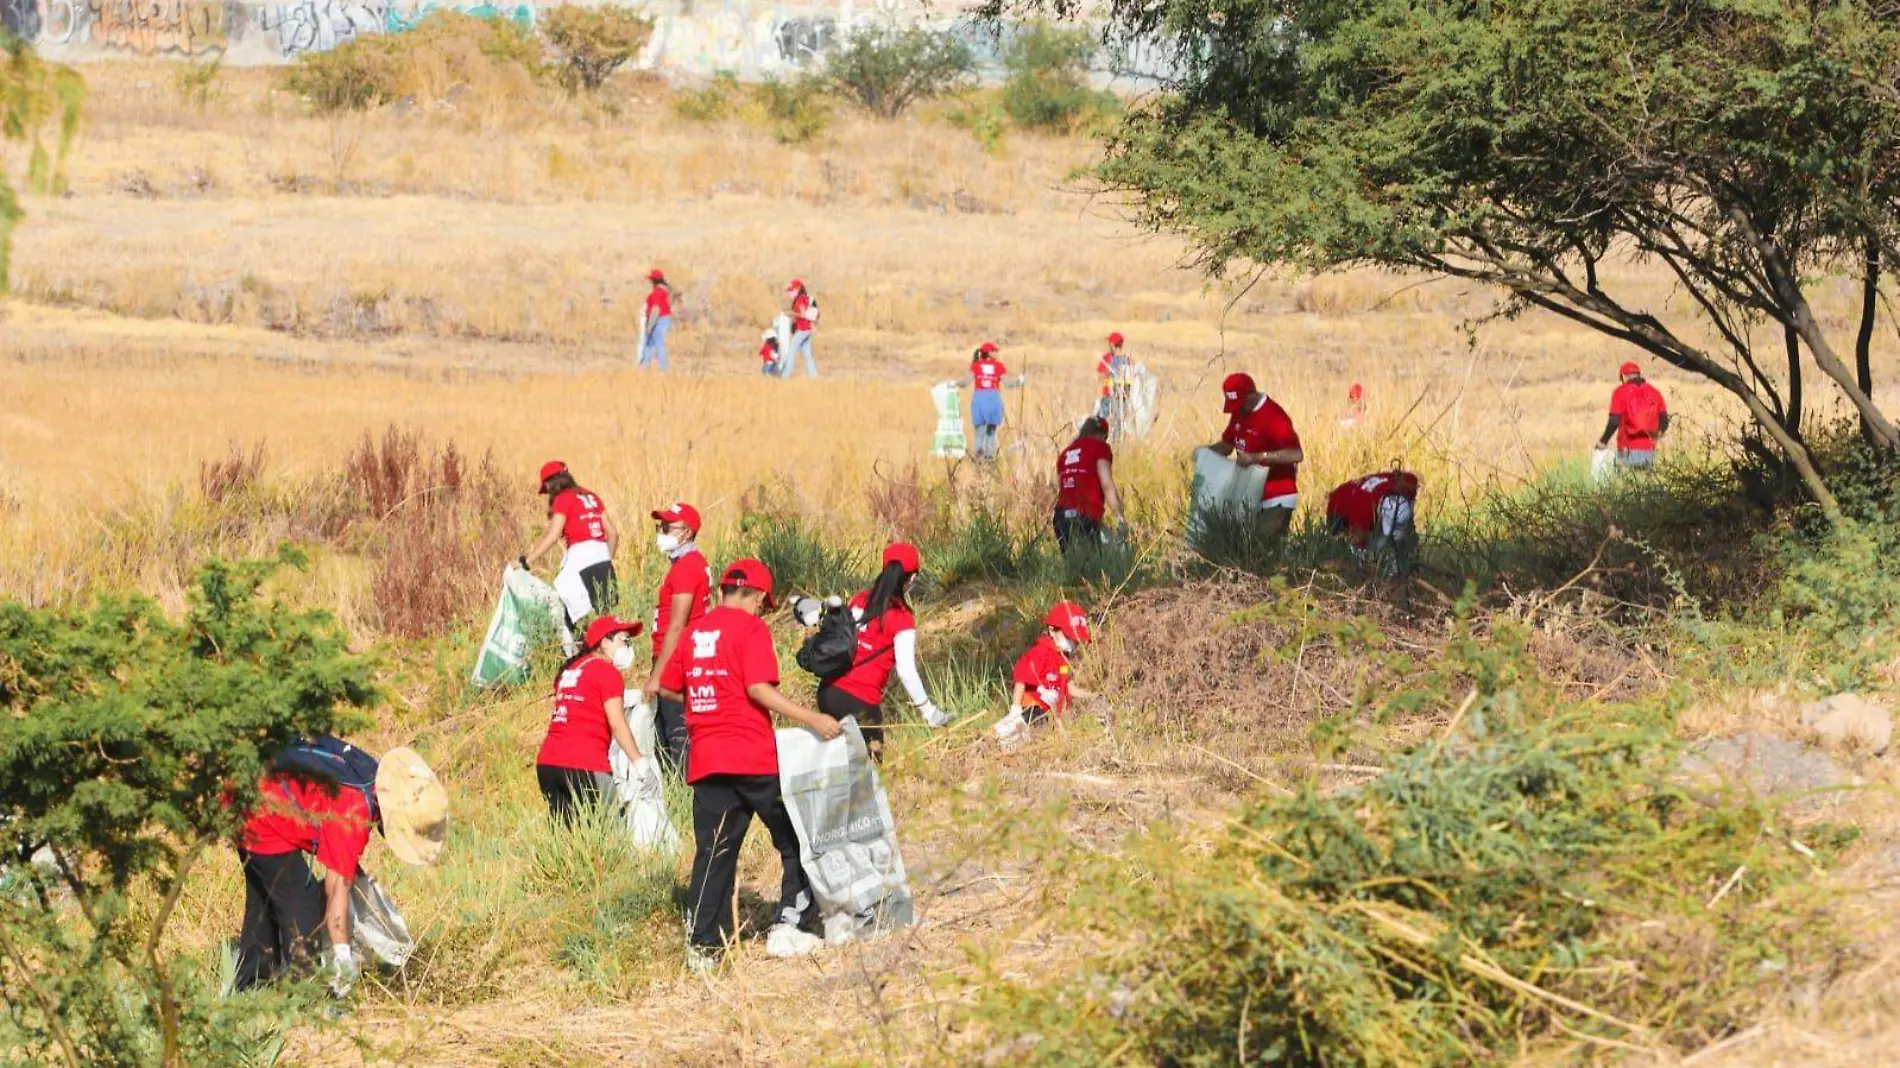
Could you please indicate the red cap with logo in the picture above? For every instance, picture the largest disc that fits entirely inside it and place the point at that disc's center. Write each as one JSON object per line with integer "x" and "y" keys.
{"x": 1115, "y": 338}
{"x": 903, "y": 552}
{"x": 1234, "y": 391}
{"x": 1629, "y": 368}
{"x": 679, "y": 512}
{"x": 549, "y": 470}
{"x": 1069, "y": 618}
{"x": 750, "y": 574}
{"x": 606, "y": 627}
{"x": 987, "y": 347}
{"x": 655, "y": 275}
{"x": 794, "y": 285}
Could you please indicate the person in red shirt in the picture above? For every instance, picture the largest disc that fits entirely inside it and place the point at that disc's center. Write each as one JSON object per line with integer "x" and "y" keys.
{"x": 768, "y": 353}
{"x": 986, "y": 398}
{"x": 804, "y": 312}
{"x": 573, "y": 768}
{"x": 577, "y": 517}
{"x": 1112, "y": 369}
{"x": 284, "y": 906}
{"x": 887, "y": 644}
{"x": 726, "y": 670}
{"x": 1376, "y": 514}
{"x": 1638, "y": 417}
{"x": 685, "y": 594}
{"x": 1044, "y": 676}
{"x": 1260, "y": 432}
{"x": 1085, "y": 487}
{"x": 659, "y": 319}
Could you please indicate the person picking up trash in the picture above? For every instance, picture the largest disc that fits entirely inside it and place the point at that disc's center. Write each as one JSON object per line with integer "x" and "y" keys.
{"x": 768, "y": 353}
{"x": 573, "y": 767}
{"x": 885, "y": 632}
{"x": 804, "y": 312}
{"x": 577, "y": 517}
{"x": 1638, "y": 418}
{"x": 1085, "y": 487}
{"x": 659, "y": 320}
{"x": 726, "y": 670}
{"x": 685, "y": 594}
{"x": 1377, "y": 516}
{"x": 986, "y": 398}
{"x": 1044, "y": 676}
{"x": 1260, "y": 432}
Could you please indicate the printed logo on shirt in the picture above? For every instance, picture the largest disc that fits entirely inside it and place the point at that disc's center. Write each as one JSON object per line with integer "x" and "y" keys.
{"x": 569, "y": 678}
{"x": 705, "y": 644}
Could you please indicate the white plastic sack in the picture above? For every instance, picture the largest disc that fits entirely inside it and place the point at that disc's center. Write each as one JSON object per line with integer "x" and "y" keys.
{"x": 642, "y": 799}
{"x": 782, "y": 329}
{"x": 847, "y": 839}
{"x": 1221, "y": 487}
{"x": 1602, "y": 465}
{"x": 1142, "y": 396}
{"x": 376, "y": 926}
{"x": 640, "y": 347}
{"x": 1011, "y": 729}
{"x": 948, "y": 440}
{"x": 527, "y": 609}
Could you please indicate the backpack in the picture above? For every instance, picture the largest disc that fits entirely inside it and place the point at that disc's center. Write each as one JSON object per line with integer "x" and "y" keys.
{"x": 832, "y": 649}
{"x": 331, "y": 759}
{"x": 1643, "y": 412}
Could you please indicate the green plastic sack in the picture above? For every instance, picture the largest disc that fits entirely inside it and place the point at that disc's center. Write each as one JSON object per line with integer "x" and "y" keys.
{"x": 949, "y": 438}
{"x": 529, "y": 611}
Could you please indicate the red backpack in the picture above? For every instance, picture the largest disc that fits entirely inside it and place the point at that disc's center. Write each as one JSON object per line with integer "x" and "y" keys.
{"x": 1643, "y": 411}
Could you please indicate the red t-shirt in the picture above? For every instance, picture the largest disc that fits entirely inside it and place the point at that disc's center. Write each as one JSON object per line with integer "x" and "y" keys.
{"x": 659, "y": 302}
{"x": 1629, "y": 397}
{"x": 1045, "y": 671}
{"x": 768, "y": 352}
{"x": 577, "y": 733}
{"x": 987, "y": 373}
{"x": 298, "y": 814}
{"x": 586, "y": 516}
{"x": 689, "y": 574}
{"x": 722, "y": 653}
{"x": 1357, "y": 502}
{"x": 1266, "y": 429}
{"x": 877, "y": 653}
{"x": 1078, "y": 484}
{"x": 800, "y": 305}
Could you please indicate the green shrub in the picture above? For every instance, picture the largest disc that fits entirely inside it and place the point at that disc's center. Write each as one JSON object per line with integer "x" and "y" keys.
{"x": 34, "y": 95}
{"x": 716, "y": 101}
{"x": 802, "y": 559}
{"x": 351, "y": 77}
{"x": 590, "y": 43}
{"x": 493, "y": 57}
{"x": 797, "y": 111}
{"x": 1046, "y": 72}
{"x": 986, "y": 121}
{"x": 885, "y": 70}
{"x": 194, "y": 82}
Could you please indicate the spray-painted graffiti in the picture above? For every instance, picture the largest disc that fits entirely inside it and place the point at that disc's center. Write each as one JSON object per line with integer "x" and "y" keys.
{"x": 396, "y": 21}
{"x": 806, "y": 39}
{"x": 320, "y": 25}
{"x": 21, "y": 18}
{"x": 141, "y": 27}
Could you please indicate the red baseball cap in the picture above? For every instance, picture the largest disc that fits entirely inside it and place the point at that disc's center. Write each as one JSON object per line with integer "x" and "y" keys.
{"x": 678, "y": 512}
{"x": 1234, "y": 391}
{"x": 549, "y": 470}
{"x": 1115, "y": 338}
{"x": 794, "y": 285}
{"x": 1069, "y": 618}
{"x": 987, "y": 346}
{"x": 606, "y": 627}
{"x": 750, "y": 574}
{"x": 1357, "y": 391}
{"x": 656, "y": 275}
{"x": 903, "y": 552}
{"x": 1629, "y": 368}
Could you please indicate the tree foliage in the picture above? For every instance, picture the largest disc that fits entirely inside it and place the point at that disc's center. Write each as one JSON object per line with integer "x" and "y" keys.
{"x": 130, "y": 744}
{"x": 593, "y": 42}
{"x": 34, "y": 95}
{"x": 1748, "y": 146}
{"x": 885, "y": 69}
{"x": 1046, "y": 72}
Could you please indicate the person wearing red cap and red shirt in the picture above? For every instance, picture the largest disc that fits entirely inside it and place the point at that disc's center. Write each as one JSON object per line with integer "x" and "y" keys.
{"x": 1044, "y": 676}
{"x": 726, "y": 670}
{"x": 804, "y": 313}
{"x": 1377, "y": 515}
{"x": 1112, "y": 369}
{"x": 284, "y": 906}
{"x": 659, "y": 318}
{"x": 573, "y": 767}
{"x": 887, "y": 643}
{"x": 685, "y": 594}
{"x": 576, "y": 516}
{"x": 1638, "y": 418}
{"x": 1085, "y": 487}
{"x": 986, "y": 398}
{"x": 1260, "y": 432}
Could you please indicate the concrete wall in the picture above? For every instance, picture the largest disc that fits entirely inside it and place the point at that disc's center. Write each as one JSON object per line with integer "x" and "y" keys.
{"x": 751, "y": 38}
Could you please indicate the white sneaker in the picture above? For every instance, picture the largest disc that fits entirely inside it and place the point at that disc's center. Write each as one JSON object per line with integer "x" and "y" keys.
{"x": 784, "y": 940}
{"x": 700, "y": 961}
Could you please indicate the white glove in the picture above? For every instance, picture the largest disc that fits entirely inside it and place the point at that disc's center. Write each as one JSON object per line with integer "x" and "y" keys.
{"x": 646, "y": 779}
{"x": 933, "y": 715}
{"x": 344, "y": 970}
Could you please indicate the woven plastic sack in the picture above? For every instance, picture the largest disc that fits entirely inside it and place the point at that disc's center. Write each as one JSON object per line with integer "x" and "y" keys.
{"x": 1221, "y": 487}
{"x": 847, "y": 839}
{"x": 642, "y": 798}
{"x": 527, "y": 611}
{"x": 1602, "y": 465}
{"x": 948, "y": 440}
{"x": 376, "y": 926}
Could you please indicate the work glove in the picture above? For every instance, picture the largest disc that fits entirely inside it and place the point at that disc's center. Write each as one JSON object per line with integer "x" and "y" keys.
{"x": 342, "y": 971}
{"x": 933, "y": 715}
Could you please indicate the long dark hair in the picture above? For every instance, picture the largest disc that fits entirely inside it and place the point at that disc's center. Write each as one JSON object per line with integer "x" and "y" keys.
{"x": 558, "y": 483}
{"x": 888, "y": 590}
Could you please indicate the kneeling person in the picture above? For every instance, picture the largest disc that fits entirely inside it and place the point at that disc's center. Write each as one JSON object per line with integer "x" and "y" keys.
{"x": 1376, "y": 514}
{"x": 726, "y": 670}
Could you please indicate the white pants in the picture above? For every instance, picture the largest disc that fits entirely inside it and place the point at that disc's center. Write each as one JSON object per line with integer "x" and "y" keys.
{"x": 573, "y": 592}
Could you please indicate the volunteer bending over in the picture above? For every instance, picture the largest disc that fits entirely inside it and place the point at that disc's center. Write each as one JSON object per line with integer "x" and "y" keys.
{"x": 1260, "y": 432}
{"x": 726, "y": 670}
{"x": 577, "y": 517}
{"x": 573, "y": 768}
{"x": 1085, "y": 488}
{"x": 887, "y": 643}
{"x": 683, "y": 598}
{"x": 1044, "y": 676}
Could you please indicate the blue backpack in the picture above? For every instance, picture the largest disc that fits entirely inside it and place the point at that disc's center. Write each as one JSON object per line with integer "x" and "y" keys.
{"x": 327, "y": 758}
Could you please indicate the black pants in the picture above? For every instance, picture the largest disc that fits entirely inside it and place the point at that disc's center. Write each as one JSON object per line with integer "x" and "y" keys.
{"x": 1075, "y": 530}
{"x": 669, "y": 732}
{"x": 568, "y": 789}
{"x": 283, "y": 918}
{"x": 603, "y": 590}
{"x": 723, "y": 807}
{"x": 837, "y": 704}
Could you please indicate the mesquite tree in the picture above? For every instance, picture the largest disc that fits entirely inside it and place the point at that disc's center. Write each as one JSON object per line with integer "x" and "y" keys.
{"x": 34, "y": 95}
{"x": 1751, "y": 147}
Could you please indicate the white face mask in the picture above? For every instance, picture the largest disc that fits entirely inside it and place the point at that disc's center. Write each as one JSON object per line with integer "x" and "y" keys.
{"x": 622, "y": 655}
{"x": 1063, "y": 643}
{"x": 666, "y": 542}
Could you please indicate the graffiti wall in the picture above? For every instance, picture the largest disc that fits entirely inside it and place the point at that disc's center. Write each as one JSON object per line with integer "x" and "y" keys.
{"x": 750, "y": 38}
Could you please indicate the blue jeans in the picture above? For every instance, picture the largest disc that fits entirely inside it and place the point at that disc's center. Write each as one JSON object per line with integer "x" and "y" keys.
{"x": 656, "y": 342}
{"x": 801, "y": 342}
{"x": 985, "y": 441}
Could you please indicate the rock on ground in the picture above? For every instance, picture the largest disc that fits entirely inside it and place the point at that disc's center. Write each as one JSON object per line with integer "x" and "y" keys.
{"x": 1850, "y": 720}
{"x": 1763, "y": 764}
